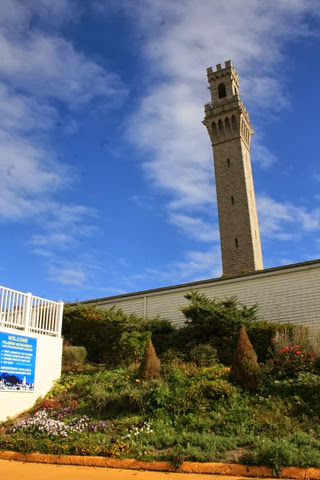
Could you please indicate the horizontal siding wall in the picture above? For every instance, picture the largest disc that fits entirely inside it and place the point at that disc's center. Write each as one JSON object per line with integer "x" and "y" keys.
{"x": 283, "y": 295}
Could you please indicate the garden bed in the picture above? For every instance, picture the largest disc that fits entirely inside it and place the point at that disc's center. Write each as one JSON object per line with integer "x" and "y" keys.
{"x": 191, "y": 414}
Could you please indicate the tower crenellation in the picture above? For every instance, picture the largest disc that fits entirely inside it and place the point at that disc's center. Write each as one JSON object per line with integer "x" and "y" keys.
{"x": 230, "y": 131}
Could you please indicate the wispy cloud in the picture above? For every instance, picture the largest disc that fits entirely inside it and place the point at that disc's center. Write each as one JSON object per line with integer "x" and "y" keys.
{"x": 194, "y": 265}
{"x": 180, "y": 39}
{"x": 42, "y": 77}
{"x": 65, "y": 225}
{"x": 196, "y": 228}
{"x": 285, "y": 221}
{"x": 37, "y": 68}
{"x": 261, "y": 154}
{"x": 74, "y": 277}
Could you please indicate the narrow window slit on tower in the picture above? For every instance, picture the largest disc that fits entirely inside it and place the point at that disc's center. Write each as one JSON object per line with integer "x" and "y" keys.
{"x": 232, "y": 200}
{"x": 236, "y": 242}
{"x": 222, "y": 90}
{"x": 228, "y": 162}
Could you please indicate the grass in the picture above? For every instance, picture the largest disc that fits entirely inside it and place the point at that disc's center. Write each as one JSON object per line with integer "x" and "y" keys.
{"x": 191, "y": 413}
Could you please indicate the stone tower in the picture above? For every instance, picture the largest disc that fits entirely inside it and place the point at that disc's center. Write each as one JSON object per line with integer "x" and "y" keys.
{"x": 229, "y": 128}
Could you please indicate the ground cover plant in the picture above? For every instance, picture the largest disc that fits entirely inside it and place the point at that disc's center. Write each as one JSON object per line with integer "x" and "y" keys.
{"x": 192, "y": 407}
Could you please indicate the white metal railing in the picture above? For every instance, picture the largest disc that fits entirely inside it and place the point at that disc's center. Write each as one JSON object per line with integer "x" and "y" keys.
{"x": 26, "y": 312}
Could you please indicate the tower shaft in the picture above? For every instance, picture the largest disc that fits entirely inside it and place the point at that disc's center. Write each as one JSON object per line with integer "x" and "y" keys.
{"x": 229, "y": 129}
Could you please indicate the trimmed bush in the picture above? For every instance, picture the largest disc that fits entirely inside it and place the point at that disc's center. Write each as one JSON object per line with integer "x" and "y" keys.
{"x": 150, "y": 367}
{"x": 245, "y": 370}
{"x": 73, "y": 358}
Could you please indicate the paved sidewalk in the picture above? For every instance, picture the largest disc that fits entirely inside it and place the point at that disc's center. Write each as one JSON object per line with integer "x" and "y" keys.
{"x": 13, "y": 470}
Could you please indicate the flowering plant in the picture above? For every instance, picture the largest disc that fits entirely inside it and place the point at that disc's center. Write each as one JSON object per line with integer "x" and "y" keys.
{"x": 42, "y": 423}
{"x": 291, "y": 360}
{"x": 138, "y": 429}
{"x": 59, "y": 408}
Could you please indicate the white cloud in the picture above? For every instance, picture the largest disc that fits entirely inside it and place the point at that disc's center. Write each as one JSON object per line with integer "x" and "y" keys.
{"x": 26, "y": 174}
{"x": 15, "y": 15}
{"x": 261, "y": 154}
{"x": 195, "y": 265}
{"x": 75, "y": 277}
{"x": 196, "y": 228}
{"x": 199, "y": 265}
{"x": 285, "y": 221}
{"x": 181, "y": 39}
{"x": 42, "y": 72}
{"x": 37, "y": 67}
{"x": 50, "y": 67}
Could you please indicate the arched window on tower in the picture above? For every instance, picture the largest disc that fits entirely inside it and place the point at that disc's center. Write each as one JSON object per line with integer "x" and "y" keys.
{"x": 228, "y": 129}
{"x": 234, "y": 124}
{"x": 214, "y": 132}
{"x": 221, "y": 130}
{"x": 222, "y": 90}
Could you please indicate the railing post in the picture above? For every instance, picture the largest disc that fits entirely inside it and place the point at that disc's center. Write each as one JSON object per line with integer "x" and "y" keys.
{"x": 27, "y": 312}
{"x": 60, "y": 315}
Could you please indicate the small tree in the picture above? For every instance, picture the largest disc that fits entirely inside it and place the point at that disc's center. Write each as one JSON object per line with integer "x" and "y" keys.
{"x": 245, "y": 369}
{"x": 150, "y": 366}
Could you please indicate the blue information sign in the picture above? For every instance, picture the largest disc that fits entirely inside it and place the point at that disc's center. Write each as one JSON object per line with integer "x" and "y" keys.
{"x": 17, "y": 362}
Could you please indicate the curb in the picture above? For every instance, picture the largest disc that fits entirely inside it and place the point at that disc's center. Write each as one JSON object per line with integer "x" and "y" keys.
{"x": 187, "y": 467}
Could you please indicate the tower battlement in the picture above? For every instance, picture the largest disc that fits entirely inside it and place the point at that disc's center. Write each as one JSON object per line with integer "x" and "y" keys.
{"x": 230, "y": 131}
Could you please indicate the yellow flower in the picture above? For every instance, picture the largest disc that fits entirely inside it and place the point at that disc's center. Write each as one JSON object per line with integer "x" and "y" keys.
{"x": 137, "y": 380}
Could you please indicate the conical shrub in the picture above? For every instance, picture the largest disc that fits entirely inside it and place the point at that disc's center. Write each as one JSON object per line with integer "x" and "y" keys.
{"x": 150, "y": 366}
{"x": 245, "y": 369}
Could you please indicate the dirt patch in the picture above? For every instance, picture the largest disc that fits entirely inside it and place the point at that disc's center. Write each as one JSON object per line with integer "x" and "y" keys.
{"x": 234, "y": 456}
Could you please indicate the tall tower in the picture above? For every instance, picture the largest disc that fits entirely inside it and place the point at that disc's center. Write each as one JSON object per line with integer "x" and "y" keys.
{"x": 229, "y": 129}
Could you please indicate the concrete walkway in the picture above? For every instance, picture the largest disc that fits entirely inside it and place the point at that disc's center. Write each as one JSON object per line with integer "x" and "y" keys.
{"x": 13, "y": 470}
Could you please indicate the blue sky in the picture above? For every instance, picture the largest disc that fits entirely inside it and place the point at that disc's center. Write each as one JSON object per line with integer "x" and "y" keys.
{"x": 106, "y": 172}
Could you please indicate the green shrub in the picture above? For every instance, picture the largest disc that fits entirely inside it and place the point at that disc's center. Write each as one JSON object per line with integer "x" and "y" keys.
{"x": 157, "y": 397}
{"x": 171, "y": 355}
{"x": 109, "y": 403}
{"x": 298, "y": 449}
{"x": 276, "y": 454}
{"x": 245, "y": 370}
{"x": 204, "y": 355}
{"x": 97, "y": 329}
{"x": 73, "y": 358}
{"x": 215, "y": 321}
{"x": 204, "y": 394}
{"x": 150, "y": 367}
{"x": 132, "y": 345}
{"x": 163, "y": 334}
{"x": 303, "y": 390}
